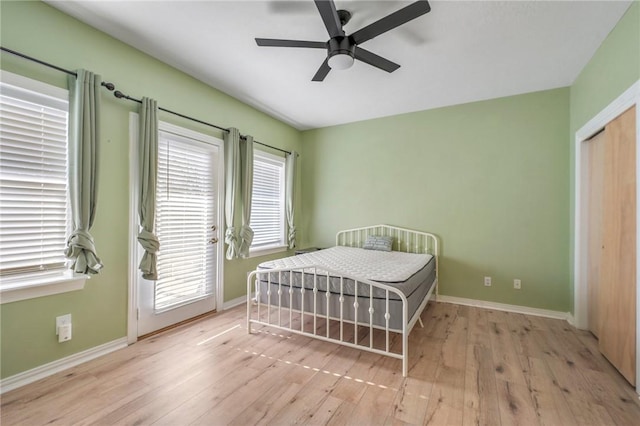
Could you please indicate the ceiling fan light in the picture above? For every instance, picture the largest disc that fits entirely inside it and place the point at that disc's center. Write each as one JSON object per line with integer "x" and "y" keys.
{"x": 341, "y": 61}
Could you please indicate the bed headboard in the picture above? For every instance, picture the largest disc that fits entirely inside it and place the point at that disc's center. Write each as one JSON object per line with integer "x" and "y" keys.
{"x": 406, "y": 240}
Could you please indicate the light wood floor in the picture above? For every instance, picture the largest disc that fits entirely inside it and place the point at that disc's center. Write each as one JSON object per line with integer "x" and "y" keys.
{"x": 468, "y": 366}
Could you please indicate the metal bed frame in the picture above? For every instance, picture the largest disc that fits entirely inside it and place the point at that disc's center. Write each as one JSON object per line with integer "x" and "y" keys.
{"x": 405, "y": 240}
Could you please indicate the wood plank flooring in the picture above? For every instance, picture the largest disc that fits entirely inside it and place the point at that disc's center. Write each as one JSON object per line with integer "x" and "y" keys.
{"x": 468, "y": 366}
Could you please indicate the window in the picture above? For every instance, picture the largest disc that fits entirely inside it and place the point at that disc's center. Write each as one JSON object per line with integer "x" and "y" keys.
{"x": 267, "y": 205}
{"x": 33, "y": 183}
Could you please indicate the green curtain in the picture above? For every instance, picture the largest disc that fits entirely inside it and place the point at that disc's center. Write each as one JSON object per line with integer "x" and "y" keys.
{"x": 246, "y": 163}
{"x": 148, "y": 177}
{"x": 84, "y": 133}
{"x": 232, "y": 178}
{"x": 290, "y": 186}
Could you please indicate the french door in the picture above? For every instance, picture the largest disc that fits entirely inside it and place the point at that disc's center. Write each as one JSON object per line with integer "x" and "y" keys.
{"x": 187, "y": 223}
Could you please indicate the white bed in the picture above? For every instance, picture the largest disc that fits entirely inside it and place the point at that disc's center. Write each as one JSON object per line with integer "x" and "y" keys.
{"x": 348, "y": 295}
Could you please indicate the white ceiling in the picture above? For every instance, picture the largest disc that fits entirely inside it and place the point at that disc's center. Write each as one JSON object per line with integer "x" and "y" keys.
{"x": 461, "y": 51}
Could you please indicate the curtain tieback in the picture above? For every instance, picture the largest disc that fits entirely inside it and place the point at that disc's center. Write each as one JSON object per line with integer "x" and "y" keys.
{"x": 151, "y": 245}
{"x": 230, "y": 236}
{"x": 81, "y": 248}
{"x": 292, "y": 236}
{"x": 79, "y": 240}
{"x": 246, "y": 234}
{"x": 149, "y": 241}
{"x": 246, "y": 238}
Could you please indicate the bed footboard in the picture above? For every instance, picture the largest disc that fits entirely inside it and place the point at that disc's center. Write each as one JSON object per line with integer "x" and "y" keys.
{"x": 316, "y": 305}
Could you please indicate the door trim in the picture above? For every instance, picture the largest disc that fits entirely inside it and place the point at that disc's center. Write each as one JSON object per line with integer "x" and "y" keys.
{"x": 132, "y": 315}
{"x": 134, "y": 185}
{"x": 622, "y": 103}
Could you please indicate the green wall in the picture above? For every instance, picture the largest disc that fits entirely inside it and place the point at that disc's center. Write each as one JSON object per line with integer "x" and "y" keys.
{"x": 493, "y": 179}
{"x": 489, "y": 178}
{"x": 100, "y": 310}
{"x": 612, "y": 70}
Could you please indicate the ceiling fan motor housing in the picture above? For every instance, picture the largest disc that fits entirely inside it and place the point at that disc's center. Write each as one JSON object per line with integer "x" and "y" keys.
{"x": 340, "y": 46}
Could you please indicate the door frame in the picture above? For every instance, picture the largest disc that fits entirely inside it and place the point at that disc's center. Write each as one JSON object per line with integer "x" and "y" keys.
{"x": 626, "y": 100}
{"x": 134, "y": 185}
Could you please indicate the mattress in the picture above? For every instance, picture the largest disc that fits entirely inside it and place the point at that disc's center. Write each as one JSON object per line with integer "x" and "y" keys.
{"x": 418, "y": 271}
{"x": 375, "y": 265}
{"x": 403, "y": 271}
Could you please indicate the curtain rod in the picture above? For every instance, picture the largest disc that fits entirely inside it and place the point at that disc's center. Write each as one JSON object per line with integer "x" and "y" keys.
{"x": 118, "y": 94}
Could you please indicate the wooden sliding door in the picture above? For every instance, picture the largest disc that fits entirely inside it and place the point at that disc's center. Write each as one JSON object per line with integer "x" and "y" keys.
{"x": 616, "y": 292}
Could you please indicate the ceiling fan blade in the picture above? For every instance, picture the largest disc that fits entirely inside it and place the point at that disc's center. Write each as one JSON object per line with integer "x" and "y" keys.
{"x": 391, "y": 21}
{"x": 274, "y": 42}
{"x": 322, "y": 71}
{"x": 375, "y": 60}
{"x": 329, "y": 14}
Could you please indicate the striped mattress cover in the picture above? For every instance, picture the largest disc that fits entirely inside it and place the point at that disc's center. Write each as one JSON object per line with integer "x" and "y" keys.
{"x": 403, "y": 271}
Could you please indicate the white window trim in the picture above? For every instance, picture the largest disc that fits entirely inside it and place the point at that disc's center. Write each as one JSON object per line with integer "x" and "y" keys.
{"x": 34, "y": 285}
{"x": 263, "y": 251}
{"x": 35, "y": 86}
{"x": 39, "y": 285}
{"x": 275, "y": 248}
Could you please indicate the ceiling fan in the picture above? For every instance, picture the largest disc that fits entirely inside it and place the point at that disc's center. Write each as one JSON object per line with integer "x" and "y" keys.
{"x": 343, "y": 49}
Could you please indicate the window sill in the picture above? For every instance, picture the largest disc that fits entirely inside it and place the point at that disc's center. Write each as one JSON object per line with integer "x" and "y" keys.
{"x": 39, "y": 285}
{"x": 263, "y": 251}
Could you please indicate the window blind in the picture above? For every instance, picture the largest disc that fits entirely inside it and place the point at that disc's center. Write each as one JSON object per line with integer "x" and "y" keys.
{"x": 184, "y": 216}
{"x": 267, "y": 206}
{"x": 33, "y": 181}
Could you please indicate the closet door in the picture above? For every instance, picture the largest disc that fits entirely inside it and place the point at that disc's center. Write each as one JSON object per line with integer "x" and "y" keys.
{"x": 596, "y": 152}
{"x": 617, "y": 291}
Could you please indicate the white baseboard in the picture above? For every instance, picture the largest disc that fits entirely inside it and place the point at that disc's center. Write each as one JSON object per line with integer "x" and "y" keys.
{"x": 30, "y": 376}
{"x": 234, "y": 302}
{"x": 506, "y": 307}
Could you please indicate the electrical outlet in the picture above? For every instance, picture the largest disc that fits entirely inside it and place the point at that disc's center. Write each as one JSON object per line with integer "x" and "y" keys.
{"x": 517, "y": 284}
{"x": 487, "y": 281}
{"x": 64, "y": 333}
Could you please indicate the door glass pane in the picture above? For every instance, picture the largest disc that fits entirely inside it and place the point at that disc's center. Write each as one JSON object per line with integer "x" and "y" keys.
{"x": 185, "y": 213}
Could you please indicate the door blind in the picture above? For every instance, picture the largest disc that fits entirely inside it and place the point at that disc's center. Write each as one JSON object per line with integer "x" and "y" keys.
{"x": 267, "y": 205}
{"x": 33, "y": 181}
{"x": 184, "y": 218}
